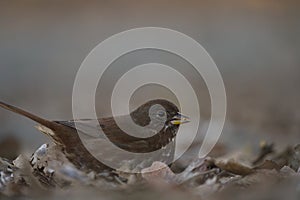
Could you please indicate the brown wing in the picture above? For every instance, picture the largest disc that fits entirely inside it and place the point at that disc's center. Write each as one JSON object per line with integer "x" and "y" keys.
{"x": 95, "y": 129}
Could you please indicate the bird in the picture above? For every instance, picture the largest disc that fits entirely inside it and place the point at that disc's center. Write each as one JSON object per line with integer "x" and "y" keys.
{"x": 159, "y": 119}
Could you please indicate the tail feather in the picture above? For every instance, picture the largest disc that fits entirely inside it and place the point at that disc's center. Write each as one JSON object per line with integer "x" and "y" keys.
{"x": 44, "y": 122}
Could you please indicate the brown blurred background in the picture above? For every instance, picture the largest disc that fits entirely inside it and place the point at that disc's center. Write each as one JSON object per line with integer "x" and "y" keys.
{"x": 254, "y": 43}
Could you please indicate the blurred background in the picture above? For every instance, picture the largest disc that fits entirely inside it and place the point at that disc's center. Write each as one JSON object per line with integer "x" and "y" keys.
{"x": 255, "y": 44}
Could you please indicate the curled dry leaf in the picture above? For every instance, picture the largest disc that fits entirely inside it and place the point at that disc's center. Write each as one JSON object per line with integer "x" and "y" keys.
{"x": 159, "y": 173}
{"x": 289, "y": 157}
{"x": 234, "y": 167}
{"x": 6, "y": 172}
{"x": 294, "y": 161}
{"x": 268, "y": 164}
{"x": 265, "y": 149}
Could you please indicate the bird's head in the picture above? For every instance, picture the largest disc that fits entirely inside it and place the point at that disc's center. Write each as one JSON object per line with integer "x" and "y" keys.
{"x": 159, "y": 113}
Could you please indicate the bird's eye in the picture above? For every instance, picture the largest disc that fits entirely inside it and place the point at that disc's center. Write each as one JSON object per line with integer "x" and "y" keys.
{"x": 161, "y": 113}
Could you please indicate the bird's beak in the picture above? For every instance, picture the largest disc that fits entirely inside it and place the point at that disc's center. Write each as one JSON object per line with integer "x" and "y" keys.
{"x": 180, "y": 119}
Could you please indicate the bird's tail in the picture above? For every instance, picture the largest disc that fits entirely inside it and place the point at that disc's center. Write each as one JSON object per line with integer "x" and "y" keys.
{"x": 44, "y": 122}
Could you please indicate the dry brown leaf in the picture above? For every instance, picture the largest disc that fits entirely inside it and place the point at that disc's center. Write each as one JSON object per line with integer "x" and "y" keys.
{"x": 234, "y": 167}
{"x": 268, "y": 164}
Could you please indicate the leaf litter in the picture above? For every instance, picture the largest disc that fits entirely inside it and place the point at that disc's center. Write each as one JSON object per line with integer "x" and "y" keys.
{"x": 49, "y": 174}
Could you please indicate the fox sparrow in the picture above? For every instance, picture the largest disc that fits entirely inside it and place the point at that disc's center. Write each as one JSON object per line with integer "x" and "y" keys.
{"x": 156, "y": 116}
